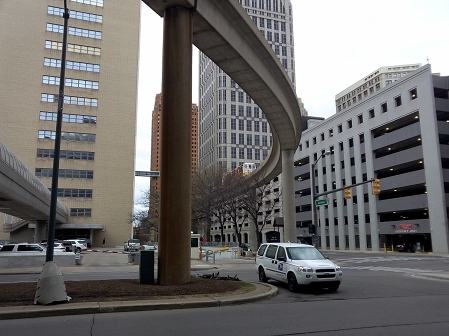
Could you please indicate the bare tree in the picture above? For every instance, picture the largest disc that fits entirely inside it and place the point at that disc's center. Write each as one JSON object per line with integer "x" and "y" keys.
{"x": 260, "y": 201}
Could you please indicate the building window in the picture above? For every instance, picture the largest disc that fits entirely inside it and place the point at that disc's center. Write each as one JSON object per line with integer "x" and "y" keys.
{"x": 233, "y": 109}
{"x": 331, "y": 133}
{"x": 248, "y": 125}
{"x": 361, "y": 138}
{"x": 240, "y": 97}
{"x": 71, "y": 65}
{"x": 233, "y": 124}
{"x": 55, "y": 28}
{"x": 264, "y": 127}
{"x": 71, "y": 82}
{"x": 307, "y": 144}
{"x": 75, "y": 48}
{"x": 80, "y": 212}
{"x": 242, "y": 153}
{"x": 351, "y": 143}
{"x": 65, "y": 173}
{"x": 241, "y": 111}
{"x": 249, "y": 139}
{"x": 65, "y": 154}
{"x": 256, "y": 126}
{"x": 81, "y": 101}
{"x": 233, "y": 96}
{"x": 241, "y": 125}
{"x": 384, "y": 107}
{"x": 256, "y": 112}
{"x": 413, "y": 94}
{"x": 70, "y": 136}
{"x": 264, "y": 154}
{"x": 322, "y": 136}
{"x": 98, "y": 3}
{"x": 233, "y": 153}
{"x": 340, "y": 128}
{"x": 360, "y": 118}
{"x": 257, "y": 139}
{"x": 264, "y": 140}
{"x": 75, "y": 14}
{"x": 257, "y": 154}
{"x": 398, "y": 101}
{"x": 249, "y": 153}
{"x": 350, "y": 123}
{"x": 241, "y": 139}
{"x": 233, "y": 138}
{"x": 248, "y": 109}
{"x": 74, "y": 193}
{"x": 371, "y": 113}
{"x": 314, "y": 140}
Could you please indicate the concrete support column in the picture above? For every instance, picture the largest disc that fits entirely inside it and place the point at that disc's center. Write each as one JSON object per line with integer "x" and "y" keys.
{"x": 288, "y": 196}
{"x": 176, "y": 140}
{"x": 40, "y": 231}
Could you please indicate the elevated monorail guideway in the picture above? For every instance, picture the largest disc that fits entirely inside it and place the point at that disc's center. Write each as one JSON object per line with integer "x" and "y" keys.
{"x": 22, "y": 194}
{"x": 225, "y": 33}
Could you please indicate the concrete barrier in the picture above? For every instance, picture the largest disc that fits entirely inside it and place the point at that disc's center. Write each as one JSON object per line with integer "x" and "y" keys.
{"x": 35, "y": 259}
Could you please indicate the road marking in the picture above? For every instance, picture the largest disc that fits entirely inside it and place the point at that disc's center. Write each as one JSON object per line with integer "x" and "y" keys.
{"x": 392, "y": 269}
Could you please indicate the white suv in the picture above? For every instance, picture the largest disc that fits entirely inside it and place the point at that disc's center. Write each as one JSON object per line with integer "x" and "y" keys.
{"x": 71, "y": 244}
{"x": 297, "y": 265}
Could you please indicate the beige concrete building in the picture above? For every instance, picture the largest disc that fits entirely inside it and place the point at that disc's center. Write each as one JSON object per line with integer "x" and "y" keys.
{"x": 370, "y": 84}
{"x": 99, "y": 123}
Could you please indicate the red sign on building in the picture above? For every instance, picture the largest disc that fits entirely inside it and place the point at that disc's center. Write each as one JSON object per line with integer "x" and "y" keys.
{"x": 405, "y": 226}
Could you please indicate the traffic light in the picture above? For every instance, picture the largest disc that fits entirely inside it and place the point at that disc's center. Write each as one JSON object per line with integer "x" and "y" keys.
{"x": 376, "y": 187}
{"x": 312, "y": 229}
{"x": 348, "y": 193}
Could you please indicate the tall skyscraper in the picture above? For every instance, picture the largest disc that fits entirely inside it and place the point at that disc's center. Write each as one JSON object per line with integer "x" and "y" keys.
{"x": 96, "y": 179}
{"x": 156, "y": 139}
{"x": 233, "y": 129}
{"x": 156, "y": 151}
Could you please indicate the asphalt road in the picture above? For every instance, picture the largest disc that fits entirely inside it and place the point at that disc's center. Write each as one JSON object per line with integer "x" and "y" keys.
{"x": 381, "y": 294}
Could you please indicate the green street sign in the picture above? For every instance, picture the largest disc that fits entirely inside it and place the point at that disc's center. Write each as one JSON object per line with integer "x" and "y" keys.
{"x": 321, "y": 202}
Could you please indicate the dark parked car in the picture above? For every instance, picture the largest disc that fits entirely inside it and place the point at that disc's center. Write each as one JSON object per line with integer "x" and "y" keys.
{"x": 405, "y": 247}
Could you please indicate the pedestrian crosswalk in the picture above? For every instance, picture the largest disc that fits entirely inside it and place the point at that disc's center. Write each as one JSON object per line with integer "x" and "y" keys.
{"x": 354, "y": 264}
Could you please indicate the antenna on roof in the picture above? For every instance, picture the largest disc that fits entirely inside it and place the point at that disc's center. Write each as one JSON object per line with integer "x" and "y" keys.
{"x": 427, "y": 59}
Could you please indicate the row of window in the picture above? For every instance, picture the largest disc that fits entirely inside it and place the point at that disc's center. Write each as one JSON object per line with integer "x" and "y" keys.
{"x": 65, "y": 173}
{"x": 222, "y": 124}
{"x": 241, "y": 108}
{"x": 72, "y": 65}
{"x": 76, "y": 48}
{"x": 262, "y": 4}
{"x": 413, "y": 93}
{"x": 65, "y": 154}
{"x": 55, "y": 28}
{"x": 222, "y": 153}
{"x": 71, "y": 82}
{"x": 80, "y": 212}
{"x": 70, "y": 100}
{"x": 69, "y": 136}
{"x": 75, "y": 14}
{"x": 68, "y": 118}
{"x": 74, "y": 193}
{"x": 222, "y": 139}
{"x": 98, "y": 3}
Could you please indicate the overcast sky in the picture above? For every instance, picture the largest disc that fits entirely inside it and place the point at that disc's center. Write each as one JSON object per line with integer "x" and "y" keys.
{"x": 337, "y": 43}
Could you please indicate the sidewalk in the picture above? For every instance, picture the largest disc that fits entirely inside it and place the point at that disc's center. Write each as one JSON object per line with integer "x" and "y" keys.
{"x": 111, "y": 261}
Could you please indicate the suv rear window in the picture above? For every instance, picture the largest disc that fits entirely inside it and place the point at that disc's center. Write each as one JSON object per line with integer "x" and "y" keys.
{"x": 7, "y": 248}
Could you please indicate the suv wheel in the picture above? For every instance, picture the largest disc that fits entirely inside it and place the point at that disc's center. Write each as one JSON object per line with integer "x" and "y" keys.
{"x": 292, "y": 283}
{"x": 262, "y": 276}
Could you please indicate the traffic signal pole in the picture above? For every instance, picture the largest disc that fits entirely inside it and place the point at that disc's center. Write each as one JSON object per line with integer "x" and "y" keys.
{"x": 343, "y": 188}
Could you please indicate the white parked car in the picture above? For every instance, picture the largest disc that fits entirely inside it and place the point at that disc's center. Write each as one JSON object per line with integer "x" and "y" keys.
{"x": 23, "y": 247}
{"x": 78, "y": 245}
{"x": 297, "y": 265}
{"x": 58, "y": 247}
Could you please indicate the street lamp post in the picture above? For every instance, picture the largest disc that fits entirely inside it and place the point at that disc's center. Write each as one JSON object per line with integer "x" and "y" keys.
{"x": 315, "y": 236}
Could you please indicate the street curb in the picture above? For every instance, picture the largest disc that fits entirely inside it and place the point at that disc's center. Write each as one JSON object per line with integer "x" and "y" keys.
{"x": 262, "y": 291}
